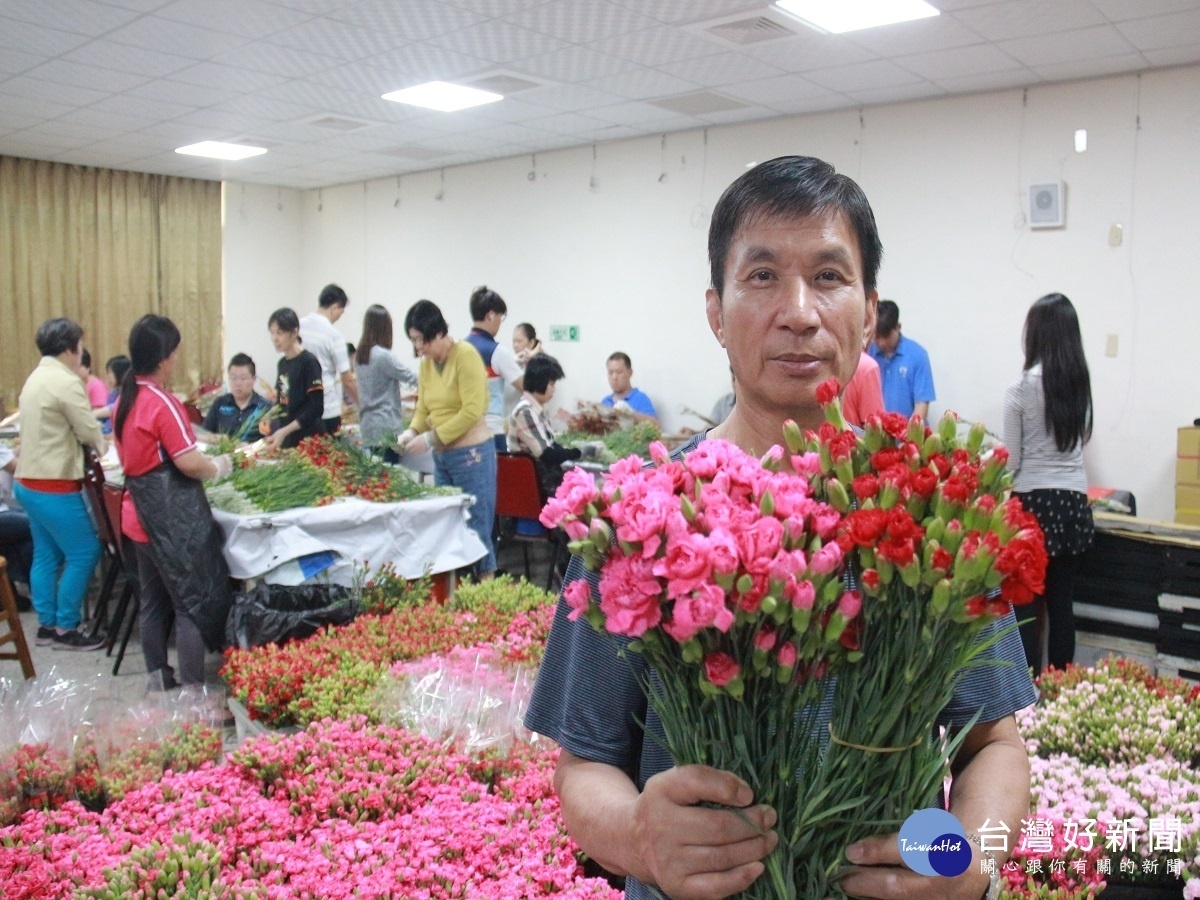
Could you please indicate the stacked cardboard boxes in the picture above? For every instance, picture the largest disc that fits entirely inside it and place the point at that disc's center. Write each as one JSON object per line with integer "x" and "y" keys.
{"x": 1187, "y": 476}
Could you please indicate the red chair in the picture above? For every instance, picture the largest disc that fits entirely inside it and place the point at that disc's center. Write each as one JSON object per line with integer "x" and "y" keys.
{"x": 114, "y": 499}
{"x": 110, "y": 535}
{"x": 519, "y": 495}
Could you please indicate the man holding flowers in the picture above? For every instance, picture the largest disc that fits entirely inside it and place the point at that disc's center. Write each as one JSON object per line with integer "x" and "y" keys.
{"x": 794, "y": 254}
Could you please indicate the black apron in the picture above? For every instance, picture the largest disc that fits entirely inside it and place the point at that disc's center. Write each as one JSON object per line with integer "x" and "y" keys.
{"x": 187, "y": 545}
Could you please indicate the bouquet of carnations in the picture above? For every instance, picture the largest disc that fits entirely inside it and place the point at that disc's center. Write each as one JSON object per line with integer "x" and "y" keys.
{"x": 724, "y": 572}
{"x": 941, "y": 551}
{"x": 735, "y": 578}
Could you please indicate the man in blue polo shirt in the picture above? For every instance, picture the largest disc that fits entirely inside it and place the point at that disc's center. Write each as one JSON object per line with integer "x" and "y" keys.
{"x": 903, "y": 366}
{"x": 624, "y": 395}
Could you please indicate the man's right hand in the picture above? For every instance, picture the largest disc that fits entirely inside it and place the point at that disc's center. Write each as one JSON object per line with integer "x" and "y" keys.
{"x": 694, "y": 852}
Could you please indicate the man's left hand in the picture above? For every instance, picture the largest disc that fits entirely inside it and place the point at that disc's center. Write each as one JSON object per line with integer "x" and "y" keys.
{"x": 879, "y": 872}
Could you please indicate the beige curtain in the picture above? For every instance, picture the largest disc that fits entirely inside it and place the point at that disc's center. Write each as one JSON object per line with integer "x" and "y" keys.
{"x": 105, "y": 247}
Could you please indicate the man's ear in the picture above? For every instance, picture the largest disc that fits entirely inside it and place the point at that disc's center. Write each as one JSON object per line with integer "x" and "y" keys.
{"x": 713, "y": 309}
{"x": 871, "y": 317}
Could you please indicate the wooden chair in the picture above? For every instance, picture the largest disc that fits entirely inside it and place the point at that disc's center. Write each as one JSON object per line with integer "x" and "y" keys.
{"x": 109, "y": 534}
{"x": 128, "y": 603}
{"x": 10, "y": 617}
{"x": 519, "y": 495}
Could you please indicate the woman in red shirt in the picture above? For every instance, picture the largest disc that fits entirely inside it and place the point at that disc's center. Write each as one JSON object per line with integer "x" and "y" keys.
{"x": 165, "y": 515}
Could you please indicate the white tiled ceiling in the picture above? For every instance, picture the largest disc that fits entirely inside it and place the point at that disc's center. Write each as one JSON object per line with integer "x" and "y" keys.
{"x": 121, "y": 83}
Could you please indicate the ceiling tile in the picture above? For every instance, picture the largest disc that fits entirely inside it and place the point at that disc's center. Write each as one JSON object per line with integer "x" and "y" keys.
{"x": 76, "y": 16}
{"x": 108, "y": 123}
{"x": 806, "y": 52}
{"x": 880, "y": 73}
{"x": 578, "y": 21}
{"x": 265, "y": 109}
{"x": 1071, "y": 46}
{"x": 732, "y": 116}
{"x": 1173, "y": 56}
{"x": 35, "y": 89}
{"x": 194, "y": 95}
{"x": 656, "y": 46}
{"x": 275, "y": 59}
{"x": 179, "y": 38}
{"x": 958, "y": 61}
{"x": 1121, "y": 10}
{"x": 721, "y": 69}
{"x": 123, "y": 58}
{"x": 10, "y": 123}
{"x": 23, "y": 106}
{"x": 497, "y": 42}
{"x": 13, "y": 62}
{"x": 330, "y": 38}
{"x": 223, "y": 78}
{"x": 1160, "y": 32}
{"x": 31, "y": 38}
{"x": 807, "y": 105}
{"x": 568, "y": 123}
{"x": 1089, "y": 68}
{"x": 61, "y": 71}
{"x": 921, "y": 36}
{"x": 1023, "y": 18}
{"x": 780, "y": 88}
{"x": 642, "y": 84}
{"x": 643, "y": 116}
{"x": 672, "y": 12}
{"x": 571, "y": 97}
{"x": 55, "y": 143}
{"x": 899, "y": 94}
{"x": 417, "y": 63}
{"x": 412, "y": 20}
{"x": 254, "y": 19}
{"x": 155, "y": 110}
{"x": 989, "y": 81}
{"x": 570, "y": 65}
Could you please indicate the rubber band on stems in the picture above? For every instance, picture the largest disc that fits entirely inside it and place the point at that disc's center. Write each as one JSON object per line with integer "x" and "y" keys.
{"x": 833, "y": 737}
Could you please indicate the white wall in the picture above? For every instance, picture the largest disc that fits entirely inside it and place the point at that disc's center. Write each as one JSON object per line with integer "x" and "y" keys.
{"x": 626, "y": 259}
{"x": 263, "y": 268}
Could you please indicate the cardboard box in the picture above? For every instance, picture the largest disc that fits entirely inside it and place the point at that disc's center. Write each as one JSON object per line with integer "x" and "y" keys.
{"x": 1188, "y": 442}
{"x": 1187, "y": 470}
{"x": 1187, "y": 498}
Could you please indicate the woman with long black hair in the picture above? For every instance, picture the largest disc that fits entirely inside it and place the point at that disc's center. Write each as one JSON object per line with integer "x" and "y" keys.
{"x": 182, "y": 573}
{"x": 1047, "y": 420}
{"x": 380, "y": 375}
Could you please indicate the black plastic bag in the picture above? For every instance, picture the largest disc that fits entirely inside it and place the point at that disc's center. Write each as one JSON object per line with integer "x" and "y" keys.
{"x": 274, "y": 613}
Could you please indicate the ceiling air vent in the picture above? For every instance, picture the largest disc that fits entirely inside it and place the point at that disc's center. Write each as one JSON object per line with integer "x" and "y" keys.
{"x": 754, "y": 30}
{"x": 336, "y": 123}
{"x": 504, "y": 83}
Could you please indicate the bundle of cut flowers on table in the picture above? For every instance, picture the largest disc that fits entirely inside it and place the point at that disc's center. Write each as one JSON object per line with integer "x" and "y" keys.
{"x": 861, "y": 569}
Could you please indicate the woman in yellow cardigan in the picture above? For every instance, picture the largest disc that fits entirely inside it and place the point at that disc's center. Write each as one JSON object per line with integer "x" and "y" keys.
{"x": 452, "y": 397}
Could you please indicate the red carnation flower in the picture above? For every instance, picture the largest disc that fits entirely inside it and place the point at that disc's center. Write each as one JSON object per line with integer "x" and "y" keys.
{"x": 828, "y": 391}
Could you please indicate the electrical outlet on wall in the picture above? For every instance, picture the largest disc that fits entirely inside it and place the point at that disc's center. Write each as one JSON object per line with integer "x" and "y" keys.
{"x": 1110, "y": 345}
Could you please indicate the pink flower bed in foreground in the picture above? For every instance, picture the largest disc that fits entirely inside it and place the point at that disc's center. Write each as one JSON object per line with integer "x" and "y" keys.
{"x": 340, "y": 810}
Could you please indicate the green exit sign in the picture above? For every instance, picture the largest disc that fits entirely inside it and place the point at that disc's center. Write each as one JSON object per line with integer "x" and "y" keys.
{"x": 564, "y": 333}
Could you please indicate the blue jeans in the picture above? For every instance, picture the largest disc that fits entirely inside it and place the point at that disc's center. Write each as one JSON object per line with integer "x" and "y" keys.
{"x": 63, "y": 538}
{"x": 473, "y": 469}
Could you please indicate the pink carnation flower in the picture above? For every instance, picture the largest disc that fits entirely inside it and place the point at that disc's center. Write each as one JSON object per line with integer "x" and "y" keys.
{"x": 629, "y": 595}
{"x": 703, "y": 609}
{"x": 578, "y": 595}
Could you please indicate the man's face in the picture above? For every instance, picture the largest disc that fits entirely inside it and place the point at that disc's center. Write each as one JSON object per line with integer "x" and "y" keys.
{"x": 794, "y": 312}
{"x": 618, "y": 376}
{"x": 889, "y": 342}
{"x": 241, "y": 383}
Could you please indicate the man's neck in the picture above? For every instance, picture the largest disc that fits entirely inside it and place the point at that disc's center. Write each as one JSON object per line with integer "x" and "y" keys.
{"x": 623, "y": 394}
{"x": 322, "y": 311}
{"x": 756, "y": 432}
{"x": 243, "y": 402}
{"x": 483, "y": 326}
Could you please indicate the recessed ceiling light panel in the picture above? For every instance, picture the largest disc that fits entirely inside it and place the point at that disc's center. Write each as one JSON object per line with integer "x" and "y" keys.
{"x": 443, "y": 96}
{"x": 220, "y": 150}
{"x": 838, "y": 16}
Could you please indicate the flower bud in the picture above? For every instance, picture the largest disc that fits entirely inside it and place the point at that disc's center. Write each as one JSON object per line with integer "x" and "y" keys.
{"x": 940, "y": 600}
{"x": 948, "y": 428}
{"x": 687, "y": 508}
{"x": 839, "y": 499}
{"x": 793, "y": 437}
{"x": 916, "y": 430}
{"x": 766, "y": 506}
{"x": 975, "y": 438}
{"x": 932, "y": 447}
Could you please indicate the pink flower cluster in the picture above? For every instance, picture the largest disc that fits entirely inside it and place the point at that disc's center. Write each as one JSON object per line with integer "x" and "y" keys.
{"x": 382, "y": 812}
{"x": 692, "y": 547}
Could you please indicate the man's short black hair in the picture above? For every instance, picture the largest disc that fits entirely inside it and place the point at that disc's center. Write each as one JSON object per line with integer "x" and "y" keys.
{"x": 887, "y": 318}
{"x": 426, "y": 319}
{"x": 540, "y": 371}
{"x": 792, "y": 187}
{"x": 483, "y": 301}
{"x": 622, "y": 358}
{"x": 55, "y": 336}
{"x": 244, "y": 361}
{"x": 332, "y": 295}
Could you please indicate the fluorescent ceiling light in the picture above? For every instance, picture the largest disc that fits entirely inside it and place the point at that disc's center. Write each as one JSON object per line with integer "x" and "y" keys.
{"x": 443, "y": 96}
{"x": 219, "y": 150}
{"x": 837, "y": 16}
